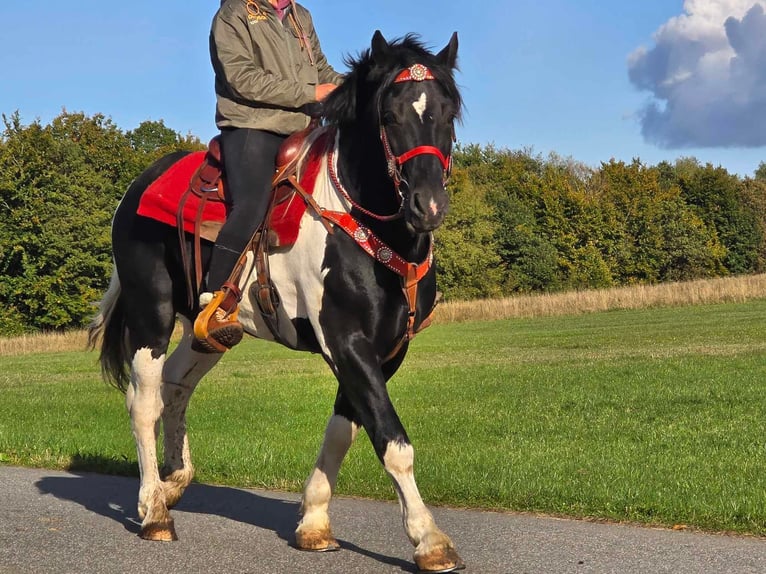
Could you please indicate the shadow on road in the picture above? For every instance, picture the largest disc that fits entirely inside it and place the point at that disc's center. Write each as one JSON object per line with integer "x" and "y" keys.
{"x": 115, "y": 497}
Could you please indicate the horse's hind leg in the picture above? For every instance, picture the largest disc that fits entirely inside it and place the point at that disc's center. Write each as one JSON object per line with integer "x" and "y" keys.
{"x": 314, "y": 531}
{"x": 183, "y": 370}
{"x": 147, "y": 293}
{"x": 144, "y": 402}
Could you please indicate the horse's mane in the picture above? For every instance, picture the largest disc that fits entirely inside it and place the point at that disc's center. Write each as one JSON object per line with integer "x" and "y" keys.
{"x": 369, "y": 76}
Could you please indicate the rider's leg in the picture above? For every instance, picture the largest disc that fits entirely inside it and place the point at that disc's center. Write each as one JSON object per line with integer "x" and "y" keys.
{"x": 248, "y": 157}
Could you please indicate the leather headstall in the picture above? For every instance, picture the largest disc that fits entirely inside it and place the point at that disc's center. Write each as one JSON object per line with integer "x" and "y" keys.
{"x": 415, "y": 73}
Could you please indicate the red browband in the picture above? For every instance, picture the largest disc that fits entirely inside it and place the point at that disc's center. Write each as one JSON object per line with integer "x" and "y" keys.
{"x": 415, "y": 73}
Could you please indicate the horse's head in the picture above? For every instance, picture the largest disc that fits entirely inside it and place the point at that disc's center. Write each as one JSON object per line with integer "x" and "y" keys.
{"x": 405, "y": 97}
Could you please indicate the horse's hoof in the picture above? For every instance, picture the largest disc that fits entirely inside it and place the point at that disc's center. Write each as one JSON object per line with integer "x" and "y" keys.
{"x": 159, "y": 532}
{"x": 439, "y": 560}
{"x": 316, "y": 541}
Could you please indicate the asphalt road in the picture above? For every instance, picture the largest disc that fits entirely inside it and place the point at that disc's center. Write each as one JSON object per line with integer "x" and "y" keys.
{"x": 58, "y": 522}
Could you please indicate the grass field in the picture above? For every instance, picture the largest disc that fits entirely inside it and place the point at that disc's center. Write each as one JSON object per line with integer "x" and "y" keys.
{"x": 654, "y": 415}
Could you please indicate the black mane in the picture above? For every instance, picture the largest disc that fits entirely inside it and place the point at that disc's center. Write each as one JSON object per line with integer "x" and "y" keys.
{"x": 369, "y": 75}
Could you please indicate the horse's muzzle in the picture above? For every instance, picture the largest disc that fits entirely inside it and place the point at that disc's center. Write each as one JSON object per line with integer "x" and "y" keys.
{"x": 426, "y": 210}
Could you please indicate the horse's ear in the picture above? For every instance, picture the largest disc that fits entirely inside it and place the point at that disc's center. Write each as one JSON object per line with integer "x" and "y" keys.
{"x": 379, "y": 45}
{"x": 448, "y": 56}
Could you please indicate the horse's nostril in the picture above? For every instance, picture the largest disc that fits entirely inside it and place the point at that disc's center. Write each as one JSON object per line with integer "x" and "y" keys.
{"x": 417, "y": 206}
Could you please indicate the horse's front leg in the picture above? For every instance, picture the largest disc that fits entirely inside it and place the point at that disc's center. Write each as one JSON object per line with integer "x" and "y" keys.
{"x": 362, "y": 381}
{"x": 144, "y": 403}
{"x": 314, "y": 532}
{"x": 183, "y": 370}
{"x": 434, "y": 551}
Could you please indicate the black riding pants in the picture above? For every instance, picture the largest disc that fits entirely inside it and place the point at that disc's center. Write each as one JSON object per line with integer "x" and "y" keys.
{"x": 248, "y": 158}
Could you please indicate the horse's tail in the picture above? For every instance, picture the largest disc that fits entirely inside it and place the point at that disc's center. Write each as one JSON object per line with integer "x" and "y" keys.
{"x": 108, "y": 326}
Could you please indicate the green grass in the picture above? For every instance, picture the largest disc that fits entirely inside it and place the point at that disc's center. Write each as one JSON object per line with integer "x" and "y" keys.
{"x": 656, "y": 416}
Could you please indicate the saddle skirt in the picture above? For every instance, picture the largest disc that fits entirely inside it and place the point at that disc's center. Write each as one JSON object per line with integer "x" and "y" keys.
{"x": 161, "y": 200}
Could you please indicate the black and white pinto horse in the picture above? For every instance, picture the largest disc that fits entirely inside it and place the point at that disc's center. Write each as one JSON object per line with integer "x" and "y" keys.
{"x": 393, "y": 120}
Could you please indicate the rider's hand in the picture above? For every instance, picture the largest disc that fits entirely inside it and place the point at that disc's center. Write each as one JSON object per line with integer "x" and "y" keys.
{"x": 322, "y": 91}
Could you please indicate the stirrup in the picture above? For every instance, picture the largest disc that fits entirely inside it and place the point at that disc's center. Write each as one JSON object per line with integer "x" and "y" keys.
{"x": 226, "y": 333}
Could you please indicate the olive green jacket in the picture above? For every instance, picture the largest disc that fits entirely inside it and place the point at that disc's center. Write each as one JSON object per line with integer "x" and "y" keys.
{"x": 263, "y": 74}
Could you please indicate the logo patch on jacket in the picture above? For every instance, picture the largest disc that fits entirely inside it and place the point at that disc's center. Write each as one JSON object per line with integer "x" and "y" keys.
{"x": 254, "y": 12}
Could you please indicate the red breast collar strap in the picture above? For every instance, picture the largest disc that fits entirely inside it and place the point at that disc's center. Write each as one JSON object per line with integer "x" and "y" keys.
{"x": 378, "y": 250}
{"x": 409, "y": 273}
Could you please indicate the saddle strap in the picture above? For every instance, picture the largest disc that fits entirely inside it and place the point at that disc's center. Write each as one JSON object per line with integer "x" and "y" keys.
{"x": 311, "y": 202}
{"x": 263, "y": 290}
{"x": 206, "y": 184}
{"x": 191, "y": 290}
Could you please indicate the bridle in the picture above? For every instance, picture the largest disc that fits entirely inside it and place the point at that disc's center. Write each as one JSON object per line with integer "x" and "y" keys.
{"x": 395, "y": 163}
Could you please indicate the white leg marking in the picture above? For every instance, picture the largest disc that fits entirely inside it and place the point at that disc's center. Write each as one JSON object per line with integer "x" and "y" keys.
{"x": 433, "y": 549}
{"x": 420, "y": 106}
{"x": 144, "y": 403}
{"x": 338, "y": 437}
{"x": 398, "y": 461}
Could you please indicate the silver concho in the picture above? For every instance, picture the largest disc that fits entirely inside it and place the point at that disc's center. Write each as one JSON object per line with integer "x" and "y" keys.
{"x": 362, "y": 234}
{"x": 385, "y": 254}
{"x": 418, "y": 72}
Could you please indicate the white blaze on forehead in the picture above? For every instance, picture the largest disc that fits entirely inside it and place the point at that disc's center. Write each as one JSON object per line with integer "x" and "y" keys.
{"x": 420, "y": 105}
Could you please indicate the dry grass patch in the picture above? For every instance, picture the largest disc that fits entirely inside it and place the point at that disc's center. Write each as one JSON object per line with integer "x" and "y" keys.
{"x": 43, "y": 343}
{"x": 707, "y": 291}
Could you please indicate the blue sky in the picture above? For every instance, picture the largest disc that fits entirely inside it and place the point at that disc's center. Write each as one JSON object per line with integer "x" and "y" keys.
{"x": 590, "y": 80}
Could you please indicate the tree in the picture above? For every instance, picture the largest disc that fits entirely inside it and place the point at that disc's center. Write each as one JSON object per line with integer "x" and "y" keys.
{"x": 719, "y": 199}
{"x": 467, "y": 260}
{"x": 153, "y": 139}
{"x": 59, "y": 187}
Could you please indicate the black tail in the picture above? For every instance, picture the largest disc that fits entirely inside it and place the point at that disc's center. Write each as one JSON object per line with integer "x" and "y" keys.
{"x": 108, "y": 326}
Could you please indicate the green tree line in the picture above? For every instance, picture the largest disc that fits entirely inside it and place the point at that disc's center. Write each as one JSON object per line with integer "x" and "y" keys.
{"x": 518, "y": 223}
{"x": 521, "y": 223}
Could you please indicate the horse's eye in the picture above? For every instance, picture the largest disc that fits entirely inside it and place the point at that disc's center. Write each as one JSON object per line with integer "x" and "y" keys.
{"x": 389, "y": 119}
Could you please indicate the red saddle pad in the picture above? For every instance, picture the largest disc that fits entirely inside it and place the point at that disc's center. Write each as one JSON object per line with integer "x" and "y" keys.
{"x": 161, "y": 199}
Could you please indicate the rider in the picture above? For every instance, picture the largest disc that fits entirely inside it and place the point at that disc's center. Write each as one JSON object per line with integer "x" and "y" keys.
{"x": 269, "y": 72}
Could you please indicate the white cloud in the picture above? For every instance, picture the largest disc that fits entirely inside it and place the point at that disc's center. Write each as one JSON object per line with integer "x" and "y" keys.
{"x": 707, "y": 76}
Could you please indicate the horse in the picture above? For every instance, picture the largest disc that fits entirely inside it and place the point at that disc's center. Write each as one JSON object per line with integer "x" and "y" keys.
{"x": 356, "y": 285}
